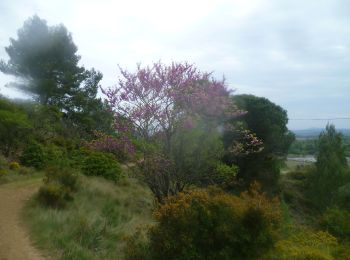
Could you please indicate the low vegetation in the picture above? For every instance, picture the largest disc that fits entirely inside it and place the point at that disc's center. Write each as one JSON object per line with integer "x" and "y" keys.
{"x": 11, "y": 171}
{"x": 306, "y": 244}
{"x": 212, "y": 224}
{"x": 101, "y": 164}
{"x": 59, "y": 186}
{"x": 96, "y": 224}
{"x": 171, "y": 165}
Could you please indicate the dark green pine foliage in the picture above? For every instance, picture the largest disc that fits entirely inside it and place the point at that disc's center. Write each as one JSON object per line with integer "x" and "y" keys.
{"x": 44, "y": 60}
{"x": 269, "y": 122}
{"x": 331, "y": 168}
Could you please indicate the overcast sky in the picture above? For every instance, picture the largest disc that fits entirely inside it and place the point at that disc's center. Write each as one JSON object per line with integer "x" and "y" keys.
{"x": 295, "y": 53}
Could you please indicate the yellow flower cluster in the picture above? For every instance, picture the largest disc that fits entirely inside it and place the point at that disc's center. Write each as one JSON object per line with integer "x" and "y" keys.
{"x": 192, "y": 222}
{"x": 14, "y": 165}
{"x": 307, "y": 244}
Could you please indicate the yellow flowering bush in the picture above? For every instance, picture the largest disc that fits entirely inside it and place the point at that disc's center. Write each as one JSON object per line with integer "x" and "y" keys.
{"x": 212, "y": 224}
{"x": 14, "y": 166}
{"x": 306, "y": 244}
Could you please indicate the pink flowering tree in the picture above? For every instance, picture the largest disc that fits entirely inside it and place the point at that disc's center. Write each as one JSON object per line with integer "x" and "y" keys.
{"x": 155, "y": 99}
{"x": 121, "y": 146}
{"x": 156, "y": 102}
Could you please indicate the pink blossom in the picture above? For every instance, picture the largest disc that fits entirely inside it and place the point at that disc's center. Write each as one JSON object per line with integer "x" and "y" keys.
{"x": 156, "y": 97}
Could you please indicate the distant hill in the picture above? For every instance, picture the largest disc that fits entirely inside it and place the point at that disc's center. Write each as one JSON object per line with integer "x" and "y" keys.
{"x": 314, "y": 132}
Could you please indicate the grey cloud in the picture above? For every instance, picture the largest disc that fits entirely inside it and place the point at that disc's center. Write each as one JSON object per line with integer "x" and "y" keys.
{"x": 294, "y": 52}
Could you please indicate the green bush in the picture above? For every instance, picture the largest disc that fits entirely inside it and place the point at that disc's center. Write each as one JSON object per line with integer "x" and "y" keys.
{"x": 59, "y": 185}
{"x": 33, "y": 156}
{"x": 52, "y": 195}
{"x": 14, "y": 166}
{"x": 342, "y": 198}
{"x": 225, "y": 174}
{"x": 54, "y": 154}
{"x": 211, "y": 224}
{"x": 305, "y": 244}
{"x": 332, "y": 170}
{"x": 102, "y": 164}
{"x": 337, "y": 222}
{"x": 64, "y": 176}
{"x": 78, "y": 156}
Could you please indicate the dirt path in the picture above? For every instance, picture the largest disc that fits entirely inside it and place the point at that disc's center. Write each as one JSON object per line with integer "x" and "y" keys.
{"x": 14, "y": 240}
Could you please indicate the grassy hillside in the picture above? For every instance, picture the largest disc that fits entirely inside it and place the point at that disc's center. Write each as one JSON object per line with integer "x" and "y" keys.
{"x": 95, "y": 224}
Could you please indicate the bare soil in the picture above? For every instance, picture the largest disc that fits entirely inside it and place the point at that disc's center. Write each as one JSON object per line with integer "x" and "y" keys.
{"x": 14, "y": 237}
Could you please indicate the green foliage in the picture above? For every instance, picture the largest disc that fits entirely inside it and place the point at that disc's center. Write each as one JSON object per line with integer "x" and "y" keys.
{"x": 305, "y": 244}
{"x": 95, "y": 223}
{"x": 59, "y": 185}
{"x": 190, "y": 158}
{"x": 3, "y": 172}
{"x": 342, "y": 197}
{"x": 63, "y": 176}
{"x": 14, "y": 166}
{"x": 78, "y": 156}
{"x": 54, "y": 154}
{"x": 40, "y": 156}
{"x": 346, "y": 142}
{"x": 297, "y": 191}
{"x": 19, "y": 120}
{"x": 52, "y": 195}
{"x": 137, "y": 246}
{"x": 265, "y": 169}
{"x": 303, "y": 147}
{"x": 45, "y": 58}
{"x": 195, "y": 153}
{"x": 93, "y": 115}
{"x": 331, "y": 168}
{"x": 11, "y": 171}
{"x": 47, "y": 121}
{"x": 225, "y": 174}
{"x": 269, "y": 122}
{"x": 3, "y": 162}
{"x": 330, "y": 150}
{"x": 14, "y": 127}
{"x": 33, "y": 155}
{"x": 337, "y": 222}
{"x": 342, "y": 252}
{"x": 102, "y": 164}
{"x": 211, "y": 224}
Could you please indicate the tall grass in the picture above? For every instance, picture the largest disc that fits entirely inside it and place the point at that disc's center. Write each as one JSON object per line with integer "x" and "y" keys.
{"x": 95, "y": 224}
